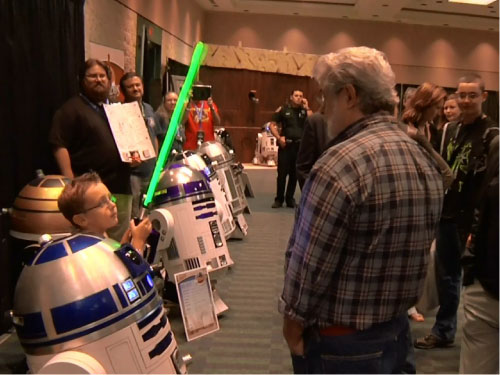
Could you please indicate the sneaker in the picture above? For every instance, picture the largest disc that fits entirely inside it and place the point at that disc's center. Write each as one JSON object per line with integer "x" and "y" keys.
{"x": 277, "y": 204}
{"x": 291, "y": 204}
{"x": 431, "y": 341}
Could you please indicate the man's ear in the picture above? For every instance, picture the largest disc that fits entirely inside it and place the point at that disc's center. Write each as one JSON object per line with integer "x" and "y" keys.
{"x": 80, "y": 220}
{"x": 351, "y": 96}
{"x": 484, "y": 96}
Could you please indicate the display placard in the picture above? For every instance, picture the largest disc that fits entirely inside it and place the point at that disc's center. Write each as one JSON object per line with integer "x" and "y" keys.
{"x": 129, "y": 131}
{"x": 197, "y": 303}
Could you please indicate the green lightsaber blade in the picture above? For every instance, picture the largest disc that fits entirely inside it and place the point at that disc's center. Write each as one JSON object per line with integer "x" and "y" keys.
{"x": 199, "y": 54}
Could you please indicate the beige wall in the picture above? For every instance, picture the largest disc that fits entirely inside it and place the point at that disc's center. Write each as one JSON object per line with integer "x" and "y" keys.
{"x": 417, "y": 53}
{"x": 181, "y": 21}
{"x": 109, "y": 23}
{"x": 113, "y": 23}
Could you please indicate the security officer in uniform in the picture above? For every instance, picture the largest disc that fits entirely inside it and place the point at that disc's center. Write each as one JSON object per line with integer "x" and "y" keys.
{"x": 291, "y": 117}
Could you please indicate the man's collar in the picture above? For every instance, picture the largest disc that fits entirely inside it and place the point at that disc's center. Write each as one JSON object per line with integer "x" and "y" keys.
{"x": 477, "y": 118}
{"x": 360, "y": 124}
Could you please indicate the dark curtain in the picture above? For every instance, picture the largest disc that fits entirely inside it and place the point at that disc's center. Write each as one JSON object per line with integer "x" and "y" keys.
{"x": 42, "y": 44}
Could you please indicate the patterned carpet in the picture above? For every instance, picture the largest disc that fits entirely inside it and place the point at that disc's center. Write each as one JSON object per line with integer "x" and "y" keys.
{"x": 250, "y": 339}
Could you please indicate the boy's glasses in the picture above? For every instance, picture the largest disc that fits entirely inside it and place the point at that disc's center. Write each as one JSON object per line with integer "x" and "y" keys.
{"x": 105, "y": 201}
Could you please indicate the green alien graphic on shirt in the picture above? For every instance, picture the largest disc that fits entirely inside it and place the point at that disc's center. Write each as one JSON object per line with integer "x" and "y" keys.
{"x": 461, "y": 162}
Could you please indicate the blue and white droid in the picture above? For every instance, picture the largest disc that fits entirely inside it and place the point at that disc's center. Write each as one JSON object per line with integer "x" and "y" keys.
{"x": 88, "y": 305}
{"x": 184, "y": 213}
{"x": 198, "y": 162}
{"x": 266, "y": 148}
{"x": 223, "y": 163}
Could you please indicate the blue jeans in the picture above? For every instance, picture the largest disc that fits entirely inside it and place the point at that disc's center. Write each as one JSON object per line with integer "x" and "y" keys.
{"x": 381, "y": 349}
{"x": 448, "y": 275}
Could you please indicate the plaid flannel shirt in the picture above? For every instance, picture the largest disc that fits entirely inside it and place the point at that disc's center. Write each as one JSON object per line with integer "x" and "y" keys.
{"x": 368, "y": 213}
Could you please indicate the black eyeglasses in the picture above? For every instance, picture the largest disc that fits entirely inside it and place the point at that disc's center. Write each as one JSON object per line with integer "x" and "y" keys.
{"x": 105, "y": 201}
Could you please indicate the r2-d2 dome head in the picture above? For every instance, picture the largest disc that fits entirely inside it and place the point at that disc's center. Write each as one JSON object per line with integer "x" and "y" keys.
{"x": 89, "y": 305}
{"x": 223, "y": 163}
{"x": 204, "y": 165}
{"x": 184, "y": 213}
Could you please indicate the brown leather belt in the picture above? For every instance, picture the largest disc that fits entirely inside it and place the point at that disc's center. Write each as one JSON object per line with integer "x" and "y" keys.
{"x": 337, "y": 331}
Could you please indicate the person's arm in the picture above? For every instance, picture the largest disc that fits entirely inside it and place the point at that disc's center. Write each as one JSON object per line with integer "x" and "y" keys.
{"x": 273, "y": 127}
{"x": 215, "y": 112}
{"x": 137, "y": 235}
{"x": 305, "y": 104}
{"x": 446, "y": 172}
{"x": 314, "y": 249}
{"x": 307, "y": 154}
{"x": 292, "y": 332}
{"x": 61, "y": 154}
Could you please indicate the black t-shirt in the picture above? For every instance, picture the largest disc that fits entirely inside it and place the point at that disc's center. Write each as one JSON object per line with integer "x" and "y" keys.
{"x": 464, "y": 151}
{"x": 85, "y": 132}
{"x": 292, "y": 121}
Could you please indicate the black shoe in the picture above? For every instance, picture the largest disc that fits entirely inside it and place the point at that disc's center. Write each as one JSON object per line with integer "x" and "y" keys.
{"x": 277, "y": 204}
{"x": 431, "y": 341}
{"x": 291, "y": 204}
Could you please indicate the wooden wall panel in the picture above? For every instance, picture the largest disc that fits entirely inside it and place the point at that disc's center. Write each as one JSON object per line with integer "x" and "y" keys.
{"x": 243, "y": 118}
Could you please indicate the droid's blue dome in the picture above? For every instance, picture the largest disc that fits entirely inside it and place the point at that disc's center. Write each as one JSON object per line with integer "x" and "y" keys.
{"x": 79, "y": 289}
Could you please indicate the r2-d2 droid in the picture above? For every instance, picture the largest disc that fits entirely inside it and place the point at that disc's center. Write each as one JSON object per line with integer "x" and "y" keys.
{"x": 88, "y": 305}
{"x": 197, "y": 162}
{"x": 184, "y": 213}
{"x": 266, "y": 149}
{"x": 223, "y": 163}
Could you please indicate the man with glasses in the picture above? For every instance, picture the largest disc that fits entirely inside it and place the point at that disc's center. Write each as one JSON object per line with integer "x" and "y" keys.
{"x": 82, "y": 141}
{"x": 465, "y": 144}
{"x": 356, "y": 259}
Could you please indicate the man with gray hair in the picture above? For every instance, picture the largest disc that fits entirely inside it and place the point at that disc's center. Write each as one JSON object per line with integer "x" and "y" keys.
{"x": 357, "y": 257}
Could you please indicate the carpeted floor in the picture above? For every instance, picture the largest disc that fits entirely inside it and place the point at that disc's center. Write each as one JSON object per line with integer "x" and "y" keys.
{"x": 249, "y": 339}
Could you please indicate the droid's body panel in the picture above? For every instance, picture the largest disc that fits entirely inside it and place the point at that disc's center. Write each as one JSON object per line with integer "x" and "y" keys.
{"x": 266, "y": 148}
{"x": 185, "y": 215}
{"x": 195, "y": 161}
{"x": 82, "y": 294}
{"x": 223, "y": 163}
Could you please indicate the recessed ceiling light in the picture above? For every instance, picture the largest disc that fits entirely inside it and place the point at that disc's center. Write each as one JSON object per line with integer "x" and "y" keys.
{"x": 375, "y": 15}
{"x": 439, "y": 1}
{"x": 246, "y": 10}
{"x": 474, "y": 2}
{"x": 491, "y": 29}
{"x": 493, "y": 11}
{"x": 345, "y": 17}
{"x": 424, "y": 4}
{"x": 295, "y": 14}
{"x": 445, "y": 24}
{"x": 385, "y": 5}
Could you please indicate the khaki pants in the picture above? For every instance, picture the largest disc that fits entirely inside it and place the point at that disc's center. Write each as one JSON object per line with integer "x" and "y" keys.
{"x": 479, "y": 353}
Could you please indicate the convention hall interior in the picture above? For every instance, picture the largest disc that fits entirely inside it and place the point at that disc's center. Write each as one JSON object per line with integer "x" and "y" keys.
{"x": 257, "y": 54}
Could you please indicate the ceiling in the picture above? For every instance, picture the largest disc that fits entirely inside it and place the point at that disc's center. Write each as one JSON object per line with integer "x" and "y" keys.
{"x": 420, "y": 12}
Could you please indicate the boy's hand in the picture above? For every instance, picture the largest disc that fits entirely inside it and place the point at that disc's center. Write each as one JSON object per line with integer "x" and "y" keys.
{"x": 140, "y": 234}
